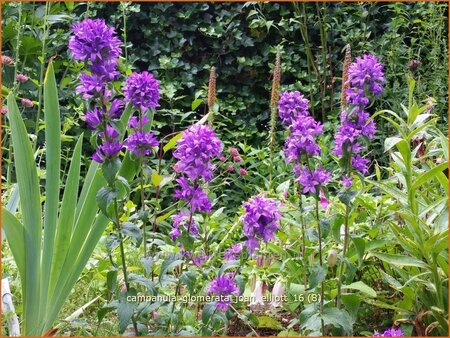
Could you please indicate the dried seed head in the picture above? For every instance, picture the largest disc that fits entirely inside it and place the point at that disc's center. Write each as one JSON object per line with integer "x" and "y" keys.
{"x": 345, "y": 84}
{"x": 212, "y": 88}
{"x": 276, "y": 81}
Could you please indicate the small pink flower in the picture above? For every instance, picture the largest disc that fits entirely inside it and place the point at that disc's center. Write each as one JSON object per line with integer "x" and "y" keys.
{"x": 123, "y": 288}
{"x": 4, "y": 110}
{"x": 21, "y": 78}
{"x": 324, "y": 202}
{"x": 243, "y": 172}
{"x": 6, "y": 60}
{"x": 26, "y": 103}
{"x": 237, "y": 159}
{"x": 222, "y": 158}
{"x": 230, "y": 168}
{"x": 233, "y": 152}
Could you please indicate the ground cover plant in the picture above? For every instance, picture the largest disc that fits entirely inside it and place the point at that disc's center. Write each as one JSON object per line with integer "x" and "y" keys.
{"x": 140, "y": 198}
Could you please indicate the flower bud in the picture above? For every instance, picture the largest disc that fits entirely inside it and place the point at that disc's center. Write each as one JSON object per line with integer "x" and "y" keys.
{"x": 4, "y": 110}
{"x": 414, "y": 65}
{"x": 237, "y": 159}
{"x": 243, "y": 172}
{"x": 332, "y": 258}
{"x": 26, "y": 103}
{"x": 256, "y": 297}
{"x": 233, "y": 152}
{"x": 22, "y": 78}
{"x": 277, "y": 293}
{"x": 230, "y": 168}
{"x": 6, "y": 60}
{"x": 222, "y": 158}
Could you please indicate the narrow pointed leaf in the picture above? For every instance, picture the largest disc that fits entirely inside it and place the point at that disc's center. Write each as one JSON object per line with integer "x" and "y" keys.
{"x": 28, "y": 182}
{"x": 15, "y": 237}
{"x": 67, "y": 213}
{"x": 53, "y": 165}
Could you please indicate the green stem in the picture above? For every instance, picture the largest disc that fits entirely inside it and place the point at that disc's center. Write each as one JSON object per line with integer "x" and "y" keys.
{"x": 122, "y": 255}
{"x": 124, "y": 14}
{"x": 305, "y": 260}
{"x": 41, "y": 72}
{"x": 321, "y": 265}
{"x": 344, "y": 252}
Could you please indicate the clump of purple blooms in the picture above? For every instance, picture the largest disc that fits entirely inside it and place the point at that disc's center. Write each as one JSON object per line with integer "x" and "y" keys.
{"x": 223, "y": 287}
{"x": 196, "y": 149}
{"x": 98, "y": 46}
{"x": 184, "y": 220}
{"x": 301, "y": 145}
{"x": 233, "y": 252}
{"x": 365, "y": 79}
{"x": 292, "y": 105}
{"x": 390, "y": 333}
{"x": 142, "y": 90}
{"x": 261, "y": 220}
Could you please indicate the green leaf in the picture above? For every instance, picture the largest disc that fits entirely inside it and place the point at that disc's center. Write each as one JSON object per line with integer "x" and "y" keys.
{"x": 351, "y": 303}
{"x": 227, "y": 266}
{"x": 390, "y": 142}
{"x": 15, "y": 236}
{"x": 362, "y": 287}
{"x": 400, "y": 260}
{"x": 156, "y": 179}
{"x": 189, "y": 278}
{"x": 208, "y": 311}
{"x": 29, "y": 192}
{"x": 132, "y": 230}
{"x": 428, "y": 175}
{"x": 170, "y": 262}
{"x": 317, "y": 275}
{"x": 110, "y": 168}
{"x": 125, "y": 309}
{"x": 196, "y": 103}
{"x": 347, "y": 197}
{"x": 105, "y": 199}
{"x": 165, "y": 216}
{"x": 67, "y": 214}
{"x": 269, "y": 323}
{"x": 360, "y": 246}
{"x": 172, "y": 142}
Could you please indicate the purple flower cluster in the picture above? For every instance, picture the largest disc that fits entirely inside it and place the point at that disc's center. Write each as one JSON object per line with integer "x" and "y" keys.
{"x": 292, "y": 105}
{"x": 196, "y": 148}
{"x": 184, "y": 220}
{"x": 193, "y": 195}
{"x": 261, "y": 220}
{"x": 302, "y": 140}
{"x": 311, "y": 180}
{"x": 301, "y": 143}
{"x": 390, "y": 333}
{"x": 223, "y": 287}
{"x": 365, "y": 79}
{"x": 142, "y": 90}
{"x": 98, "y": 45}
{"x": 141, "y": 143}
{"x": 233, "y": 252}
